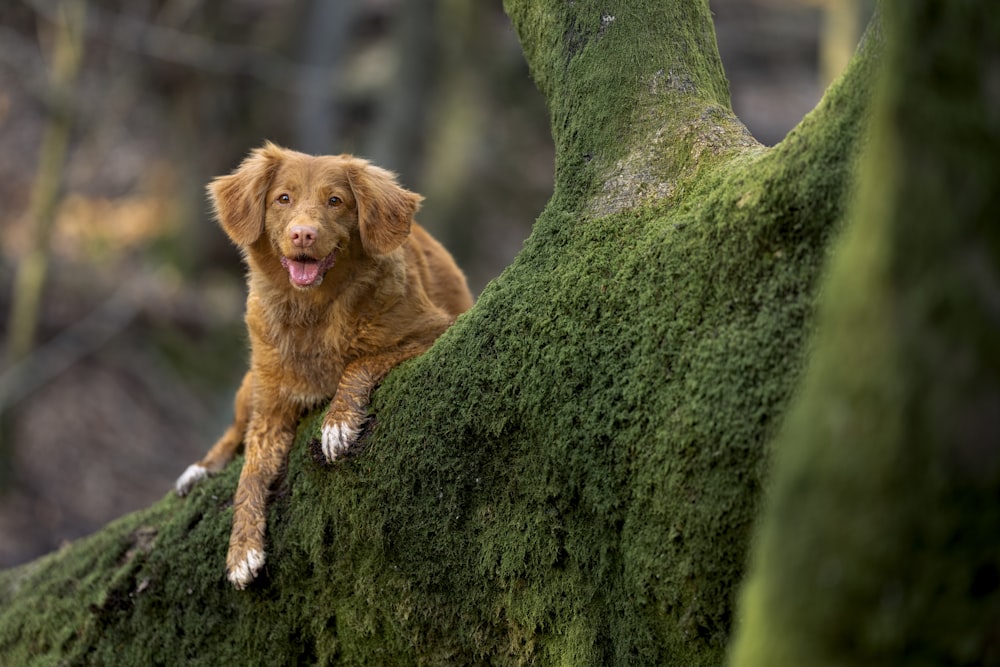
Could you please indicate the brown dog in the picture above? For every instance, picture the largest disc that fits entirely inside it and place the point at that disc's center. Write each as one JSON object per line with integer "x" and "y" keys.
{"x": 343, "y": 286}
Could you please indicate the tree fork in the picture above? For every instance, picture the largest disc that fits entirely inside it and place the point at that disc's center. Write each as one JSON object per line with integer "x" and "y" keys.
{"x": 572, "y": 473}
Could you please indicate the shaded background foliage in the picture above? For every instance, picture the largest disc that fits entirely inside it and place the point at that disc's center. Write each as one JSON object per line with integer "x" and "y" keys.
{"x": 140, "y": 328}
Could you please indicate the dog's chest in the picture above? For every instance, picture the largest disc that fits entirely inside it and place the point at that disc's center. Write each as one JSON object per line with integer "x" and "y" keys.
{"x": 308, "y": 354}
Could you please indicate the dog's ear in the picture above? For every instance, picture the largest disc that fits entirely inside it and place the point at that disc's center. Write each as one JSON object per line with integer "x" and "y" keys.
{"x": 385, "y": 209}
{"x": 239, "y": 198}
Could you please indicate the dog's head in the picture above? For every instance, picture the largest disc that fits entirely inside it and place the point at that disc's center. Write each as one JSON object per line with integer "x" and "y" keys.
{"x": 310, "y": 209}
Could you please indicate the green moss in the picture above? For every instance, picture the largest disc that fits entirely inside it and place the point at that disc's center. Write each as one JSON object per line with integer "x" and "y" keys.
{"x": 64, "y": 608}
{"x": 613, "y": 74}
{"x": 880, "y": 545}
{"x": 570, "y": 475}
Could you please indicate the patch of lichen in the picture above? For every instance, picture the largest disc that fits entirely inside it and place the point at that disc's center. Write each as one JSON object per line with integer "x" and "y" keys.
{"x": 611, "y": 76}
{"x": 879, "y": 545}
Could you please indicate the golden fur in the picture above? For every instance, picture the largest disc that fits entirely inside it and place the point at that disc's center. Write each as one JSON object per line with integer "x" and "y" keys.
{"x": 343, "y": 285}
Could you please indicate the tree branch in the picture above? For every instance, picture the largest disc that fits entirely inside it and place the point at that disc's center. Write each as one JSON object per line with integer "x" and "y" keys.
{"x": 620, "y": 91}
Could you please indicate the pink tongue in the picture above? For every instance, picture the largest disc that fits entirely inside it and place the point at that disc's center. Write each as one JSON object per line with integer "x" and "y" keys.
{"x": 303, "y": 273}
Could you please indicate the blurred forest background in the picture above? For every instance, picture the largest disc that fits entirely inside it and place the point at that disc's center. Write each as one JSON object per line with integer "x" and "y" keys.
{"x": 121, "y": 301}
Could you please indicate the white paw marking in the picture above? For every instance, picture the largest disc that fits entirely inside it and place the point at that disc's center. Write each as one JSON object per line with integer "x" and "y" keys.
{"x": 336, "y": 439}
{"x": 194, "y": 474}
{"x": 246, "y": 570}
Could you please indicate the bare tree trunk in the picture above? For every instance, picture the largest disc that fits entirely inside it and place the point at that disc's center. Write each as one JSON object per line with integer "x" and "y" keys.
{"x": 842, "y": 25}
{"x": 29, "y": 280}
{"x": 30, "y": 277}
{"x": 326, "y": 27}
{"x": 397, "y": 137}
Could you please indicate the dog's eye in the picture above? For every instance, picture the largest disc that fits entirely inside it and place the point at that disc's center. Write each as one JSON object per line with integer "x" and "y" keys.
{"x": 334, "y": 201}
{"x": 284, "y": 199}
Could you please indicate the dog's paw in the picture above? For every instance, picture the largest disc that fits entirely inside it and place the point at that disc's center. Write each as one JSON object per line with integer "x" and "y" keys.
{"x": 337, "y": 438}
{"x": 244, "y": 570}
{"x": 194, "y": 474}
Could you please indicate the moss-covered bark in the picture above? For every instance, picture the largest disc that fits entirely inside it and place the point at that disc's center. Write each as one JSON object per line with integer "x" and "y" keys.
{"x": 881, "y": 543}
{"x": 571, "y": 474}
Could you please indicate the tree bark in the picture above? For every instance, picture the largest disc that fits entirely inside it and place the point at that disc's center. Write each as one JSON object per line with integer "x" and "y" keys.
{"x": 880, "y": 543}
{"x": 571, "y": 474}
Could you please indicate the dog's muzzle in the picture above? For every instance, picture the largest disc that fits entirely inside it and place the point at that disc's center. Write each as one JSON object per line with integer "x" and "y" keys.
{"x": 304, "y": 271}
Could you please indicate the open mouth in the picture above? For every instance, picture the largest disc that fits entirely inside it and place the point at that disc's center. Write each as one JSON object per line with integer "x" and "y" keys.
{"x": 305, "y": 271}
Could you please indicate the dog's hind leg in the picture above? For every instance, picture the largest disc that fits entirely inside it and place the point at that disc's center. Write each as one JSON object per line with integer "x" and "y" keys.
{"x": 269, "y": 438}
{"x": 225, "y": 447}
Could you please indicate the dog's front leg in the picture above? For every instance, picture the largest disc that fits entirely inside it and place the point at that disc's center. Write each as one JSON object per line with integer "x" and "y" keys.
{"x": 348, "y": 408}
{"x": 268, "y": 440}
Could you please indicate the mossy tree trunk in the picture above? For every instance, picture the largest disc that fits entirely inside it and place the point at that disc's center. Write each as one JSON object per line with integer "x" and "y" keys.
{"x": 881, "y": 542}
{"x": 571, "y": 474}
